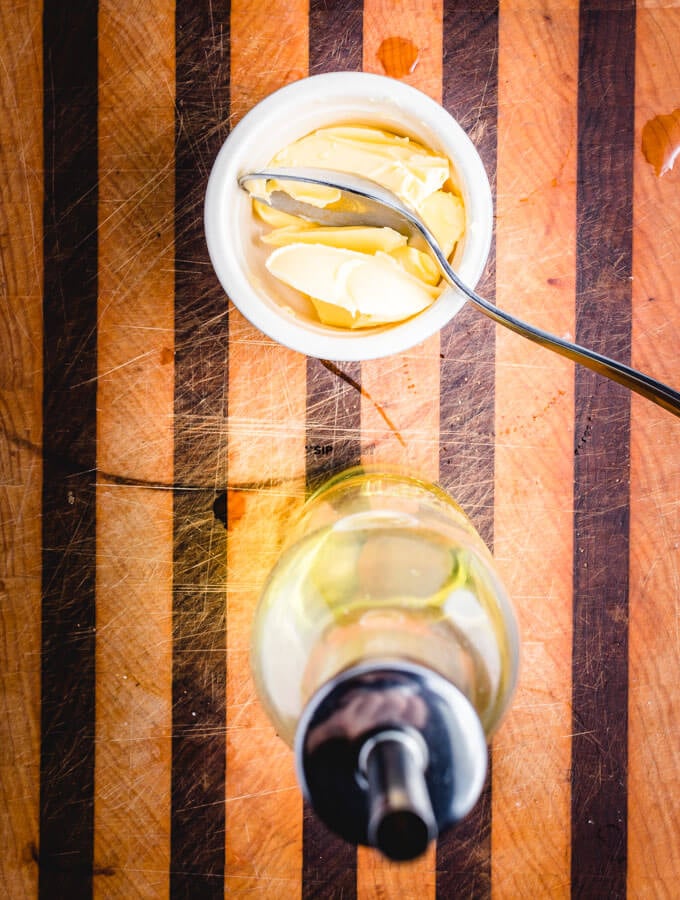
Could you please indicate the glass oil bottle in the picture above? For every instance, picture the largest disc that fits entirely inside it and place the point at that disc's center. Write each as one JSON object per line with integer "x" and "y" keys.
{"x": 385, "y": 651}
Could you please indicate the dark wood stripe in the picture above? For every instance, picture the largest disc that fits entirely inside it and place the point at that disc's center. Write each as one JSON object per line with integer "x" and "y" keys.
{"x": 602, "y": 450}
{"x": 69, "y": 450}
{"x": 336, "y": 36}
{"x": 332, "y": 443}
{"x": 332, "y": 440}
{"x": 332, "y": 436}
{"x": 466, "y": 459}
{"x": 199, "y": 571}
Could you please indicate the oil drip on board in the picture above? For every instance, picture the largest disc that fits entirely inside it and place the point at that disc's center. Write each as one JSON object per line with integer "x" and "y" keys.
{"x": 661, "y": 141}
{"x": 399, "y": 56}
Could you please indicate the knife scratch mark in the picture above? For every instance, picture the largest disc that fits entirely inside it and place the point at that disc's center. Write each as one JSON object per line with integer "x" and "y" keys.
{"x": 336, "y": 370}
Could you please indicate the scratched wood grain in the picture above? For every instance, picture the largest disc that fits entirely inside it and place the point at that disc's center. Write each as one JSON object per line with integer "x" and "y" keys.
{"x": 654, "y": 705}
{"x": 69, "y": 446}
{"x": 332, "y": 435}
{"x": 400, "y": 421}
{"x": 202, "y": 423}
{"x": 134, "y": 450}
{"x": 536, "y": 197}
{"x": 467, "y": 391}
{"x": 20, "y": 429}
{"x": 266, "y": 484}
{"x": 201, "y": 32}
{"x": 604, "y": 228}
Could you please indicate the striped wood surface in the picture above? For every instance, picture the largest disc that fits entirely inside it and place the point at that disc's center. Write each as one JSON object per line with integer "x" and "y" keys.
{"x": 153, "y": 446}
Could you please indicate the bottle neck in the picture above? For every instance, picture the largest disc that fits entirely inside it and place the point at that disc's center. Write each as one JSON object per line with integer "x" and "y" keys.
{"x": 413, "y": 636}
{"x": 389, "y": 754}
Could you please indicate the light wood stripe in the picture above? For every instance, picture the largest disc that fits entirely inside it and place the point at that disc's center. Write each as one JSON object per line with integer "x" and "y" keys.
{"x": 267, "y": 391}
{"x": 134, "y": 450}
{"x": 654, "y": 663}
{"x": 405, "y": 388}
{"x": 536, "y": 200}
{"x": 21, "y": 163}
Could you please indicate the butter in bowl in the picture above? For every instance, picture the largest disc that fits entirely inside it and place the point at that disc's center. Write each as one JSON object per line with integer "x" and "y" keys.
{"x": 356, "y": 292}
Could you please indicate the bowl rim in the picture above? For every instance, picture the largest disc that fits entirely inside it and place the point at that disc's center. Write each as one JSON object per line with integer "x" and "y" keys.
{"x": 319, "y": 95}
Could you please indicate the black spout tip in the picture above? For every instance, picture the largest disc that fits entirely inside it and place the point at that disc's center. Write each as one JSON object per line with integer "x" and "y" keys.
{"x": 401, "y": 822}
{"x": 402, "y": 835}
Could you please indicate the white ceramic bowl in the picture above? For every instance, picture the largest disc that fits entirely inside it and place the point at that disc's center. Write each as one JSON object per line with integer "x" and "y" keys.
{"x": 281, "y": 118}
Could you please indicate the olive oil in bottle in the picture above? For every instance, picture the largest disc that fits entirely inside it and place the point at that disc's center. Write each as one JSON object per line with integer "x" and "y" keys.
{"x": 385, "y": 649}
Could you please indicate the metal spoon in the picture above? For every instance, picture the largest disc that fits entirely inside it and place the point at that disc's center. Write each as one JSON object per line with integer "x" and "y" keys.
{"x": 364, "y": 202}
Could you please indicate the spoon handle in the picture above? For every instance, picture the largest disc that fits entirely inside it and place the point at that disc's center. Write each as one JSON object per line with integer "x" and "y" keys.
{"x": 648, "y": 387}
{"x": 365, "y": 202}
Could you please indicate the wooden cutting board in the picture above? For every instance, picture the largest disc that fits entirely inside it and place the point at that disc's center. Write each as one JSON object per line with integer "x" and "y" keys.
{"x": 154, "y": 447}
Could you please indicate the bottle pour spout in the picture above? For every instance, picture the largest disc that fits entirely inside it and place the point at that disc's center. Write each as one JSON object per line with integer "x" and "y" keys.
{"x": 389, "y": 753}
{"x": 401, "y": 822}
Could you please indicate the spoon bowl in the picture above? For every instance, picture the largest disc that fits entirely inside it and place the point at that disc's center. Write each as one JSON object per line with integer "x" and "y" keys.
{"x": 364, "y": 202}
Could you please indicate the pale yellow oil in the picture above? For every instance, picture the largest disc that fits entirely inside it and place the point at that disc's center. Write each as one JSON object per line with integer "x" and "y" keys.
{"x": 381, "y": 584}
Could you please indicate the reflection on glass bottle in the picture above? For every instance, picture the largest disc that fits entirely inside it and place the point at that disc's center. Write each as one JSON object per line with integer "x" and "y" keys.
{"x": 385, "y": 650}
